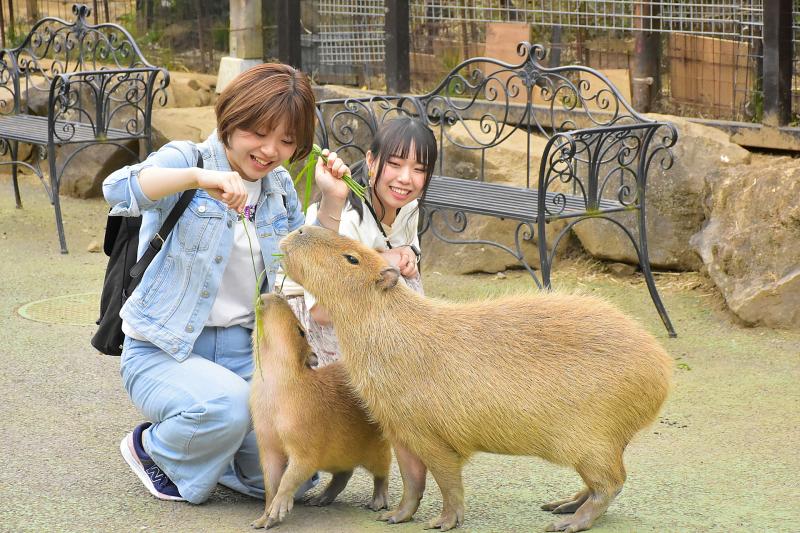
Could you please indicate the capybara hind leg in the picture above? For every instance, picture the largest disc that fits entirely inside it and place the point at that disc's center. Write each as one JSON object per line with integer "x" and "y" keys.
{"x": 337, "y": 484}
{"x": 296, "y": 473}
{"x": 604, "y": 481}
{"x": 447, "y": 473}
{"x": 380, "y": 494}
{"x": 413, "y": 472}
{"x": 567, "y": 505}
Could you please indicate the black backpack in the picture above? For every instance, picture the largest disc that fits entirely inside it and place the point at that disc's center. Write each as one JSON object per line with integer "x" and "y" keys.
{"x": 123, "y": 272}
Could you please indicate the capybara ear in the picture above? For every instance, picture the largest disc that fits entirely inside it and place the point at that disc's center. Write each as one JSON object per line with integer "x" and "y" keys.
{"x": 389, "y": 277}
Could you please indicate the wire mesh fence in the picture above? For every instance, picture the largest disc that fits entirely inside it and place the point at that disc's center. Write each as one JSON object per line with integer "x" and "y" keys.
{"x": 711, "y": 51}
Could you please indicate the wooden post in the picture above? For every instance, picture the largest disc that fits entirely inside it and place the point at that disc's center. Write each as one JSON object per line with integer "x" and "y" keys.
{"x": 398, "y": 78}
{"x": 646, "y": 78}
{"x": 289, "y": 50}
{"x": 33, "y": 10}
{"x": 777, "y": 69}
{"x": 11, "y": 31}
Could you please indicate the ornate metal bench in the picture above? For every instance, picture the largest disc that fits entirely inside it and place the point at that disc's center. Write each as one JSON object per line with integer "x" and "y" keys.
{"x": 596, "y": 157}
{"x": 99, "y": 87}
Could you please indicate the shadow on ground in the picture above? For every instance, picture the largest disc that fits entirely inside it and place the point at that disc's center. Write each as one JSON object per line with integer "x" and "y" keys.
{"x": 722, "y": 457}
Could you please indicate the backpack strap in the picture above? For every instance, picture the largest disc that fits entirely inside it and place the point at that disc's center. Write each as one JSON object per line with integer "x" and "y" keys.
{"x": 155, "y": 244}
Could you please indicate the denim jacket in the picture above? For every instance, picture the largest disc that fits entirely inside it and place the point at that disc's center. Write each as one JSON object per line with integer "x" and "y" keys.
{"x": 174, "y": 298}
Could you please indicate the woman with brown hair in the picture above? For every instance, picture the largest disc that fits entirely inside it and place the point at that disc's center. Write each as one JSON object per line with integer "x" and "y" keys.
{"x": 187, "y": 356}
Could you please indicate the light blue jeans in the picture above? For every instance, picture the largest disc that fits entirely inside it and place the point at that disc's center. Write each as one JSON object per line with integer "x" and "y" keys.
{"x": 201, "y": 433}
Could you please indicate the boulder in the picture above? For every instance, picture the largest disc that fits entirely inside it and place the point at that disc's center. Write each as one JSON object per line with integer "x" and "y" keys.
{"x": 83, "y": 177}
{"x": 189, "y": 124}
{"x": 674, "y": 201}
{"x": 190, "y": 89}
{"x": 750, "y": 242}
{"x": 505, "y": 163}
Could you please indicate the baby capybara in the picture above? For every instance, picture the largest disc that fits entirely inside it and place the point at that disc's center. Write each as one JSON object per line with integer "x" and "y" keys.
{"x": 306, "y": 419}
{"x": 564, "y": 377}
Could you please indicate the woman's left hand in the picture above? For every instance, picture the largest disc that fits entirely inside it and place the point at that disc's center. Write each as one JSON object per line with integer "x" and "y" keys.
{"x": 403, "y": 258}
{"x": 328, "y": 174}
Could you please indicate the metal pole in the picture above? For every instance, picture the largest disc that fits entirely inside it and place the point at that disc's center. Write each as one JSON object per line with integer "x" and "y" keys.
{"x": 289, "y": 28}
{"x": 398, "y": 77}
{"x": 777, "y": 69}
{"x": 646, "y": 79}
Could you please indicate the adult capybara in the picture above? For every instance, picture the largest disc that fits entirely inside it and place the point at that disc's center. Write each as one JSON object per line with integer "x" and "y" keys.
{"x": 565, "y": 377}
{"x": 307, "y": 419}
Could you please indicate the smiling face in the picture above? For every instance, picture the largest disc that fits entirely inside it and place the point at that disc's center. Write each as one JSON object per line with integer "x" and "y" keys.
{"x": 254, "y": 154}
{"x": 402, "y": 180}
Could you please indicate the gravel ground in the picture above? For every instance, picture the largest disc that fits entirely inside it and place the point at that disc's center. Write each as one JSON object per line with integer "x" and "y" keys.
{"x": 722, "y": 457}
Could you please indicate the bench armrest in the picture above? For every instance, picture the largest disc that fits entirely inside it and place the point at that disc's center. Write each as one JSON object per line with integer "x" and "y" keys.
{"x": 603, "y": 162}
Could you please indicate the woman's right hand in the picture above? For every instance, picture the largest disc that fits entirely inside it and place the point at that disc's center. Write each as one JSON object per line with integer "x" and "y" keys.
{"x": 227, "y": 187}
{"x": 404, "y": 259}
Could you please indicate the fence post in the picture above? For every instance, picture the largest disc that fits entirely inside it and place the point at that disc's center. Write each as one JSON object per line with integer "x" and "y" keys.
{"x": 777, "y": 65}
{"x": 2, "y": 27}
{"x": 288, "y": 21}
{"x": 397, "y": 47}
{"x": 33, "y": 10}
{"x": 646, "y": 78}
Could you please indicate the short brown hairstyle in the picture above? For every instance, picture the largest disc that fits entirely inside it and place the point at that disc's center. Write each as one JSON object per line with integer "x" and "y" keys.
{"x": 263, "y": 96}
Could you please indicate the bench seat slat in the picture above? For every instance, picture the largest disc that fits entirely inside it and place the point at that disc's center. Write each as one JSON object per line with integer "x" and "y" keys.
{"x": 499, "y": 200}
{"x": 33, "y": 129}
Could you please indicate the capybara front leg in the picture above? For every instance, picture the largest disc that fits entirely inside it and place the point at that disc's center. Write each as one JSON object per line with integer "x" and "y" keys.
{"x": 448, "y": 476}
{"x": 604, "y": 478}
{"x": 567, "y": 505}
{"x": 296, "y": 473}
{"x": 337, "y": 484}
{"x": 413, "y": 472}
{"x": 273, "y": 464}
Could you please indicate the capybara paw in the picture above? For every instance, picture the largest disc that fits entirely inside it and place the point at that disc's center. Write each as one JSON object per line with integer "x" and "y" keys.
{"x": 378, "y": 502}
{"x": 570, "y": 525}
{"x": 567, "y": 505}
{"x": 446, "y": 521}
{"x": 280, "y": 507}
{"x": 397, "y": 516}
{"x": 262, "y": 520}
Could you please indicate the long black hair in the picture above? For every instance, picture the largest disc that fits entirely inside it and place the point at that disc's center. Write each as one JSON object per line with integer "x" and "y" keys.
{"x": 394, "y": 139}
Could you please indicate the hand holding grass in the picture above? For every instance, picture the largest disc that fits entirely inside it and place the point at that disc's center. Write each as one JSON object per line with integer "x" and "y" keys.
{"x": 332, "y": 174}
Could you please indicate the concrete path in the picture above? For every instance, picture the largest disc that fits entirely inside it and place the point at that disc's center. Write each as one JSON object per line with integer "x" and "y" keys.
{"x": 723, "y": 456}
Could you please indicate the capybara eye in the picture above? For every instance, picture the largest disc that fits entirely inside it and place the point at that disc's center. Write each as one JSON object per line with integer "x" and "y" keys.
{"x": 302, "y": 333}
{"x": 350, "y": 259}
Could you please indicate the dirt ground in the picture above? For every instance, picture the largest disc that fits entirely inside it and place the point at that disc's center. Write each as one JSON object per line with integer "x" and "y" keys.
{"x": 722, "y": 457}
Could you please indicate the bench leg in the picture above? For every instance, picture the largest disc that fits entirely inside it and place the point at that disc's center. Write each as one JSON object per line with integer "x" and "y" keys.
{"x": 544, "y": 261}
{"x": 644, "y": 263}
{"x": 14, "y": 145}
{"x": 54, "y": 198}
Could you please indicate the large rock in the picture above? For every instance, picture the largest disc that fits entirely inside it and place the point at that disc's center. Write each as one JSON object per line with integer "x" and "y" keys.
{"x": 674, "y": 201}
{"x": 83, "y": 177}
{"x": 750, "y": 243}
{"x": 506, "y": 164}
{"x": 182, "y": 124}
{"x": 191, "y": 89}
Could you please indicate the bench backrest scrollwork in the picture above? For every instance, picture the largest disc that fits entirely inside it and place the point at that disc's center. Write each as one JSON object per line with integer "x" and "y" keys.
{"x": 90, "y": 73}
{"x": 591, "y": 142}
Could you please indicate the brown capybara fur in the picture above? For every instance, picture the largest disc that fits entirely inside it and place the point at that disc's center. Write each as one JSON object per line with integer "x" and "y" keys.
{"x": 565, "y": 377}
{"x": 307, "y": 419}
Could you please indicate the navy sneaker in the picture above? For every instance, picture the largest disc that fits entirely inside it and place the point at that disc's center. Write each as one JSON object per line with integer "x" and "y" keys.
{"x": 143, "y": 466}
